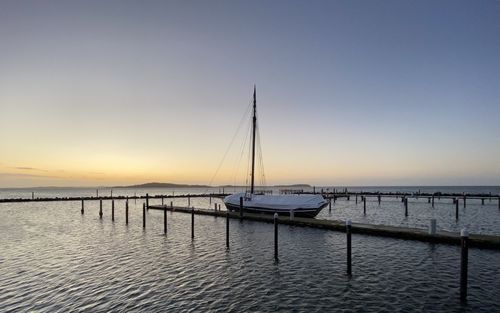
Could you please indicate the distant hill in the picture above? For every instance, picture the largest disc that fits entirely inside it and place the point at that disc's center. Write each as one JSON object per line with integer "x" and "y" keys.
{"x": 171, "y": 185}
{"x": 163, "y": 185}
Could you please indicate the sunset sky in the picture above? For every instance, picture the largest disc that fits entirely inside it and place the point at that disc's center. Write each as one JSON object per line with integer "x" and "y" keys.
{"x": 349, "y": 92}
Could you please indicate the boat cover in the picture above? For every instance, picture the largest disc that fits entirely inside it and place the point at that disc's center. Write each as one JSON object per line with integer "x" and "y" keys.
{"x": 277, "y": 202}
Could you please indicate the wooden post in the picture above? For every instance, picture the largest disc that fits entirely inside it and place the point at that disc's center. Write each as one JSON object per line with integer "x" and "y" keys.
{"x": 465, "y": 200}
{"x": 161, "y": 200}
{"x": 482, "y": 201}
{"x": 356, "y": 198}
{"x": 349, "y": 260}
{"x": 147, "y": 201}
{"x": 215, "y": 206}
{"x": 406, "y": 206}
{"x": 429, "y": 200}
{"x": 227, "y": 230}
{"x": 364, "y": 205}
{"x": 464, "y": 264}
{"x": 334, "y": 199}
{"x": 433, "y": 201}
{"x": 97, "y": 193}
{"x": 276, "y": 236}
{"x": 83, "y": 208}
{"x": 330, "y": 205}
{"x": 113, "y": 210}
{"x": 111, "y": 193}
{"x": 144, "y": 215}
{"x": 164, "y": 220}
{"x": 100, "y": 209}
{"x": 192, "y": 223}
{"x": 379, "y": 199}
{"x": 456, "y": 208}
{"x": 210, "y": 200}
{"x": 241, "y": 208}
{"x": 32, "y": 195}
{"x": 126, "y": 212}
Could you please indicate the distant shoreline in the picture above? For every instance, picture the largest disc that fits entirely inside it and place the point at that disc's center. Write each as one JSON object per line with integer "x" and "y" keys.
{"x": 173, "y": 185}
{"x": 151, "y": 185}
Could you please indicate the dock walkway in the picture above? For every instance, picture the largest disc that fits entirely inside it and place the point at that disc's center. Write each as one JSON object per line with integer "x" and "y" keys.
{"x": 478, "y": 241}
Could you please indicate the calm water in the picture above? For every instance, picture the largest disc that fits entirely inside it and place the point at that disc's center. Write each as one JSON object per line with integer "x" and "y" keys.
{"x": 53, "y": 259}
{"x": 479, "y": 219}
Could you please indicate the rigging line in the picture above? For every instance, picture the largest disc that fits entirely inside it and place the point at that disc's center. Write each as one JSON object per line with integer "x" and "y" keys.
{"x": 235, "y": 171}
{"x": 261, "y": 160}
{"x": 230, "y": 144}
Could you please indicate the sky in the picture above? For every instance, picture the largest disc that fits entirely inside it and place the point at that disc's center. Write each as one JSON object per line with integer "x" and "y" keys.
{"x": 96, "y": 93}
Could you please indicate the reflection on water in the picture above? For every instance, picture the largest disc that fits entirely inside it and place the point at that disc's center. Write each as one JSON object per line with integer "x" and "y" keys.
{"x": 478, "y": 218}
{"x": 54, "y": 259}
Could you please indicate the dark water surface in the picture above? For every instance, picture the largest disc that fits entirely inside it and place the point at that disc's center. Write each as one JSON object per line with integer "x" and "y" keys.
{"x": 477, "y": 218}
{"x": 53, "y": 259}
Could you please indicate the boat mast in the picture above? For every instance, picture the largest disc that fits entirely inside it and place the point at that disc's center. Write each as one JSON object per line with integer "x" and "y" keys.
{"x": 254, "y": 125}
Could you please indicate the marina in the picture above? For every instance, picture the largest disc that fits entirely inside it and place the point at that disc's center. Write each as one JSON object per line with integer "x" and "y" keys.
{"x": 116, "y": 259}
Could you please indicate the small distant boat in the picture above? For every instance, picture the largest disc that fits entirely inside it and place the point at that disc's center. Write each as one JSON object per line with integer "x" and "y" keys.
{"x": 300, "y": 205}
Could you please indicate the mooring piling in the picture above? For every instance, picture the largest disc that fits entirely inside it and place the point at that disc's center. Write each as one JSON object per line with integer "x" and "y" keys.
{"x": 432, "y": 227}
{"x": 189, "y": 202}
{"x": 276, "y": 236}
{"x": 215, "y": 206}
{"x": 241, "y": 208}
{"x": 161, "y": 200}
{"x": 164, "y": 220}
{"x": 356, "y": 198}
{"x": 428, "y": 199}
{"x": 406, "y": 206}
{"x": 126, "y": 212}
{"x": 433, "y": 202}
{"x": 364, "y": 205}
{"x": 83, "y": 208}
{"x": 192, "y": 223}
{"x": 32, "y": 195}
{"x": 227, "y": 230}
{"x": 349, "y": 259}
{"x": 100, "y": 209}
{"x": 379, "y": 199}
{"x": 464, "y": 263}
{"x": 482, "y": 201}
{"x": 465, "y": 201}
{"x": 144, "y": 215}
{"x": 147, "y": 201}
{"x": 456, "y": 208}
{"x": 292, "y": 214}
{"x": 330, "y": 205}
{"x": 113, "y": 210}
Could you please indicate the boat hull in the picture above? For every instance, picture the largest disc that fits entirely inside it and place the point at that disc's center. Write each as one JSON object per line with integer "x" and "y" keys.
{"x": 299, "y": 212}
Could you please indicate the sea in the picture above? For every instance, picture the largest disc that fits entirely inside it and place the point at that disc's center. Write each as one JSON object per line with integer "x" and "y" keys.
{"x": 54, "y": 259}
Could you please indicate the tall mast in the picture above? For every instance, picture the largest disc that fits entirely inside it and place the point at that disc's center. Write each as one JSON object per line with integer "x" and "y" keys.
{"x": 254, "y": 125}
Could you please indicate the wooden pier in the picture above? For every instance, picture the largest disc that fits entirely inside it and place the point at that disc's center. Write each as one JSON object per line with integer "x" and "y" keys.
{"x": 478, "y": 241}
{"x": 145, "y": 197}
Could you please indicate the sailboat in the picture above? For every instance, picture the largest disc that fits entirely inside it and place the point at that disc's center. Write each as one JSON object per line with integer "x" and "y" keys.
{"x": 252, "y": 202}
